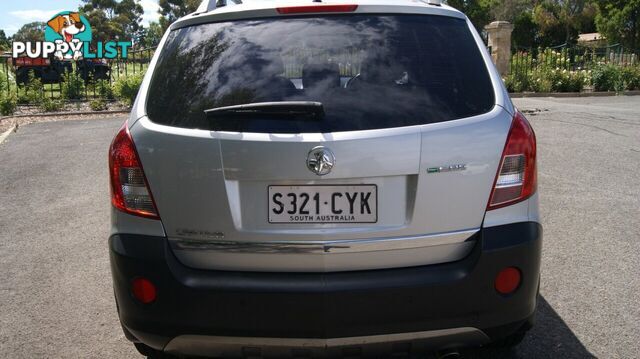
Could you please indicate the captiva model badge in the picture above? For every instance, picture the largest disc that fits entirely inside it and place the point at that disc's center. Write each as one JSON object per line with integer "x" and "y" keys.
{"x": 448, "y": 168}
{"x": 320, "y": 160}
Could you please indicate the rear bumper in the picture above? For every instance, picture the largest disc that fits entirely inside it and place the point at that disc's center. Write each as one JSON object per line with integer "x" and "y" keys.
{"x": 230, "y": 313}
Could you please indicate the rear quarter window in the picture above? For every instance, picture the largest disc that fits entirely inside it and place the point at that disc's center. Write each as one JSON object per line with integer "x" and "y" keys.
{"x": 368, "y": 71}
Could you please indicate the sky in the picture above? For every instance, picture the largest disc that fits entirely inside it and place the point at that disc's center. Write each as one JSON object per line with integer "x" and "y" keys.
{"x": 15, "y": 13}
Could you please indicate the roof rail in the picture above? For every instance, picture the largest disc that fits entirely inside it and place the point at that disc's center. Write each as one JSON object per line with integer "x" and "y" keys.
{"x": 210, "y": 5}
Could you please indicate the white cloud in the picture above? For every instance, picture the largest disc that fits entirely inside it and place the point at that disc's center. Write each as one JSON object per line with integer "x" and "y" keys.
{"x": 150, "y": 11}
{"x": 34, "y": 15}
{"x": 11, "y": 29}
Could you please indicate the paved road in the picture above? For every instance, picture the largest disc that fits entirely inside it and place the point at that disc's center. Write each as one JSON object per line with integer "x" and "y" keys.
{"x": 55, "y": 287}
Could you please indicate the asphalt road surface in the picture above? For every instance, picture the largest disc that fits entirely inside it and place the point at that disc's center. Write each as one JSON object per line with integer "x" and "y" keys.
{"x": 55, "y": 286}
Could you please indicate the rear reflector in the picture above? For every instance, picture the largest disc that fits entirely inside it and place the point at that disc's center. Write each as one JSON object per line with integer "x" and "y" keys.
{"x": 316, "y": 9}
{"x": 508, "y": 280}
{"x": 129, "y": 189}
{"x": 516, "y": 178}
{"x": 143, "y": 290}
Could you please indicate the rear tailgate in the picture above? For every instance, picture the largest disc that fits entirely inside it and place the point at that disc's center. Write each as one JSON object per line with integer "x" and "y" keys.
{"x": 212, "y": 193}
{"x": 411, "y": 130}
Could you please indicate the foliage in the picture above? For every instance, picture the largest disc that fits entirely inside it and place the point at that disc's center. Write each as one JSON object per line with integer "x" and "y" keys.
{"x": 104, "y": 90}
{"x": 172, "y": 10}
{"x": 153, "y": 35}
{"x": 476, "y": 10}
{"x": 536, "y": 23}
{"x": 72, "y": 86}
{"x": 31, "y": 92}
{"x": 631, "y": 78}
{"x": 558, "y": 21}
{"x": 525, "y": 31}
{"x": 98, "y": 105}
{"x": 113, "y": 20}
{"x": 607, "y": 77}
{"x": 550, "y": 71}
{"x": 8, "y": 103}
{"x": 507, "y": 10}
{"x": 126, "y": 88}
{"x": 4, "y": 41}
{"x": 619, "y": 21}
{"x": 33, "y": 31}
{"x": 48, "y": 104}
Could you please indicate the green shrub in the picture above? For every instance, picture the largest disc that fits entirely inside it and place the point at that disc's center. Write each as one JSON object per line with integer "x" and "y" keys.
{"x": 104, "y": 90}
{"x": 518, "y": 82}
{"x": 540, "y": 82}
{"x": 126, "y": 88}
{"x": 49, "y": 105}
{"x": 605, "y": 77}
{"x": 631, "y": 78}
{"x": 98, "y": 105}
{"x": 566, "y": 81}
{"x": 8, "y": 104}
{"x": 31, "y": 92}
{"x": 72, "y": 86}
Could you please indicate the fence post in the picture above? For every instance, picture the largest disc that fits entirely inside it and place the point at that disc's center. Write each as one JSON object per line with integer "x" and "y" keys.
{"x": 500, "y": 42}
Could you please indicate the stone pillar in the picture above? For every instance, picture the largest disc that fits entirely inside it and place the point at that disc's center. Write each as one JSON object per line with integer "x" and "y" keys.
{"x": 500, "y": 43}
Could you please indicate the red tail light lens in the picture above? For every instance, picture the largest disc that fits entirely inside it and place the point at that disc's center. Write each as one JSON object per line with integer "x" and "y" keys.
{"x": 144, "y": 290}
{"x": 129, "y": 189}
{"x": 508, "y": 280}
{"x": 316, "y": 8}
{"x": 516, "y": 179}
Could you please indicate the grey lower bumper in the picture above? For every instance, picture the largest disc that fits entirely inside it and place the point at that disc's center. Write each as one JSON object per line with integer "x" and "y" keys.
{"x": 219, "y": 346}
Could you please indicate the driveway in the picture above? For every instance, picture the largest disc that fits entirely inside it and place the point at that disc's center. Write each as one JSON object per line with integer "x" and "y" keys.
{"x": 55, "y": 287}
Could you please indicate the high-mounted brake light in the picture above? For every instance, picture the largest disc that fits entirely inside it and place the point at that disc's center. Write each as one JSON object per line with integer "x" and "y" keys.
{"x": 516, "y": 179}
{"x": 316, "y": 9}
{"x": 129, "y": 188}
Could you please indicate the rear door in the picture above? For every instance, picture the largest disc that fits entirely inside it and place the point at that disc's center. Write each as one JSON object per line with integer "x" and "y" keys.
{"x": 396, "y": 172}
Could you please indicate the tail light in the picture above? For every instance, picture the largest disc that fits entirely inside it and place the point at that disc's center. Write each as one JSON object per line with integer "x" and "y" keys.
{"x": 129, "y": 188}
{"x": 516, "y": 179}
{"x": 316, "y": 9}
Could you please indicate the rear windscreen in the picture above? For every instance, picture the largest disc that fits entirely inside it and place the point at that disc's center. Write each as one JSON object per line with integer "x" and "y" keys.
{"x": 367, "y": 71}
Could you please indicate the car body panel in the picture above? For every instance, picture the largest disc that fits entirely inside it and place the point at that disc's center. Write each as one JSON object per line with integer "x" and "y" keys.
{"x": 211, "y": 187}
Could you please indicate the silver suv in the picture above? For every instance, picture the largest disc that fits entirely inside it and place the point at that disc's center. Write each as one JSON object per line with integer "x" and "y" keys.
{"x": 323, "y": 178}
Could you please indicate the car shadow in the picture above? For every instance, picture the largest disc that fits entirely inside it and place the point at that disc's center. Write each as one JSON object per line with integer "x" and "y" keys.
{"x": 550, "y": 337}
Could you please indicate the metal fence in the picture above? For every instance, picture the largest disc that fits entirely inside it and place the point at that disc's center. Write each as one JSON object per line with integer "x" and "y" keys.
{"x": 570, "y": 58}
{"x": 17, "y": 75}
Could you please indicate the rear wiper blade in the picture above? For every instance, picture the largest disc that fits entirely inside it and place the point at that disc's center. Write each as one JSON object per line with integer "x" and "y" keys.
{"x": 295, "y": 109}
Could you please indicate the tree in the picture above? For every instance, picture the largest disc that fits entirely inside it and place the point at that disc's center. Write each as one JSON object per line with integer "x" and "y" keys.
{"x": 4, "y": 41}
{"x": 172, "y": 10}
{"x": 153, "y": 34}
{"x": 558, "y": 20}
{"x": 129, "y": 15}
{"x": 476, "y": 10}
{"x": 618, "y": 21}
{"x": 525, "y": 31}
{"x": 508, "y": 10}
{"x": 113, "y": 20}
{"x": 31, "y": 32}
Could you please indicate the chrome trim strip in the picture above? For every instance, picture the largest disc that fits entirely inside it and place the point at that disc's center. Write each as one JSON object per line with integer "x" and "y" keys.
{"x": 200, "y": 344}
{"x": 325, "y": 247}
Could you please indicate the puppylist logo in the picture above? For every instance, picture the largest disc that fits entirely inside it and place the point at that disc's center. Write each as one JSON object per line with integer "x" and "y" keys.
{"x": 68, "y": 36}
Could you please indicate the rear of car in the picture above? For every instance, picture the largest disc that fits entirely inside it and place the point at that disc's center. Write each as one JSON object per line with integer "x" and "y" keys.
{"x": 323, "y": 178}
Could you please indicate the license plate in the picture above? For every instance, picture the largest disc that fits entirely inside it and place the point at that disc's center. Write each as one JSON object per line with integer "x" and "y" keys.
{"x": 323, "y": 204}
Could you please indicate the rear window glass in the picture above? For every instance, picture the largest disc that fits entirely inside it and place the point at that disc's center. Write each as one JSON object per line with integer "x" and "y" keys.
{"x": 367, "y": 71}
